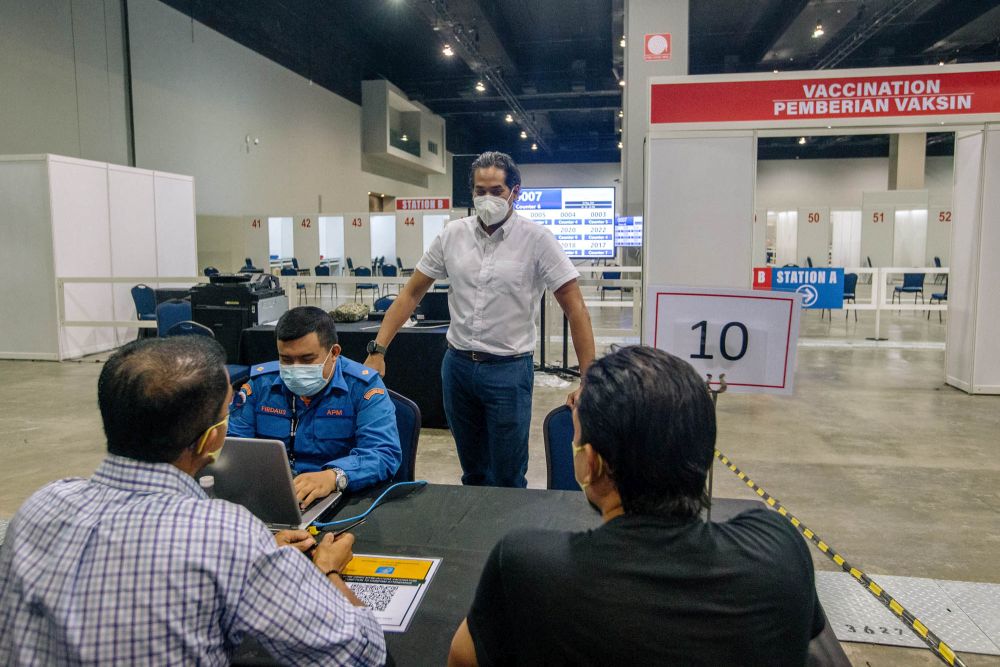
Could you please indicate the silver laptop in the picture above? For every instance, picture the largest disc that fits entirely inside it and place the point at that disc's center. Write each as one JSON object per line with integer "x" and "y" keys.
{"x": 255, "y": 473}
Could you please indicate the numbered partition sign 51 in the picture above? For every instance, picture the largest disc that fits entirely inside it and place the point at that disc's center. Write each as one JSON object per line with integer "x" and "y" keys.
{"x": 750, "y": 336}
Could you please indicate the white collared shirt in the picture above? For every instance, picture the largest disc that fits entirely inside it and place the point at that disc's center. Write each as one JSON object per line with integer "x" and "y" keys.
{"x": 496, "y": 281}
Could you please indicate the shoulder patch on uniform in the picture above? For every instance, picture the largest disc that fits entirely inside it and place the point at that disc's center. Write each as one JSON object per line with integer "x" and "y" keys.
{"x": 358, "y": 371}
{"x": 374, "y": 391}
{"x": 264, "y": 369}
{"x": 247, "y": 389}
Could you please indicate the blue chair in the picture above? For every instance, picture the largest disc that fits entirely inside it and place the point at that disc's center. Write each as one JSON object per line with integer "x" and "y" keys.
{"x": 301, "y": 287}
{"x": 611, "y": 275}
{"x": 171, "y": 312}
{"x": 940, "y": 297}
{"x": 350, "y": 265}
{"x": 402, "y": 271}
{"x": 558, "y": 433}
{"x": 809, "y": 261}
{"x": 389, "y": 271}
{"x": 295, "y": 264}
{"x": 248, "y": 267}
{"x": 238, "y": 374}
{"x": 850, "y": 287}
{"x": 938, "y": 277}
{"x": 913, "y": 283}
{"x": 382, "y": 305}
{"x": 323, "y": 270}
{"x": 144, "y": 298}
{"x": 408, "y": 425}
{"x": 210, "y": 271}
{"x": 364, "y": 271}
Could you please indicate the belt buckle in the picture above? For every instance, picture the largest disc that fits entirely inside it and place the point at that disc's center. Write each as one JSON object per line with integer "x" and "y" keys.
{"x": 476, "y": 357}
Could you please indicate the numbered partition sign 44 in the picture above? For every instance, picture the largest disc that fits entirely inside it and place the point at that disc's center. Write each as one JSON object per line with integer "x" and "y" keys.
{"x": 750, "y": 336}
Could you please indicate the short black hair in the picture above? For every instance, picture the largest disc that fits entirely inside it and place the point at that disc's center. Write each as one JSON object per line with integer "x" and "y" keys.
{"x": 158, "y": 395}
{"x": 304, "y": 320}
{"x": 512, "y": 175}
{"x": 649, "y": 415}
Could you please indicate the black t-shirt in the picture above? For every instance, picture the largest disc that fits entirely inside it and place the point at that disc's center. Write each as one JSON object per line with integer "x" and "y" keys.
{"x": 648, "y": 590}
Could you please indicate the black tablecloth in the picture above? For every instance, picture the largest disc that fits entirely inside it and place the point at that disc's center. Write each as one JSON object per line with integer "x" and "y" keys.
{"x": 167, "y": 293}
{"x": 460, "y": 524}
{"x": 413, "y": 362}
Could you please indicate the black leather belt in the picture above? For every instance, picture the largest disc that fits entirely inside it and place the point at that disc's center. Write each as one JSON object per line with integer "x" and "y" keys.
{"x": 486, "y": 357}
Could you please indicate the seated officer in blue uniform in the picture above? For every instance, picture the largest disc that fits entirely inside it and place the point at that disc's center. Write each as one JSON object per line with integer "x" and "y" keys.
{"x": 333, "y": 414}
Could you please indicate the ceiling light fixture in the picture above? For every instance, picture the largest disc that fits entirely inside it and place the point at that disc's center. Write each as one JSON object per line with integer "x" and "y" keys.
{"x": 941, "y": 64}
{"x": 620, "y": 145}
{"x": 509, "y": 118}
{"x": 534, "y": 147}
{"x": 818, "y": 30}
{"x": 404, "y": 138}
{"x": 621, "y": 82}
{"x": 524, "y": 135}
{"x": 622, "y": 42}
{"x": 621, "y": 113}
{"x": 447, "y": 50}
{"x": 802, "y": 140}
{"x": 480, "y": 87}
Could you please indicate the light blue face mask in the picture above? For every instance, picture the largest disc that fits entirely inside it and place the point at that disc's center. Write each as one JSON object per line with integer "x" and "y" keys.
{"x": 304, "y": 379}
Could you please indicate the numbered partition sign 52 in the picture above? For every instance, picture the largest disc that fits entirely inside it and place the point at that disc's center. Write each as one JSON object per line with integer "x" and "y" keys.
{"x": 750, "y": 336}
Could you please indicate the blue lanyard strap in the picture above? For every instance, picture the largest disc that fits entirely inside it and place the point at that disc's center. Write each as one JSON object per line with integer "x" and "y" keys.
{"x": 397, "y": 485}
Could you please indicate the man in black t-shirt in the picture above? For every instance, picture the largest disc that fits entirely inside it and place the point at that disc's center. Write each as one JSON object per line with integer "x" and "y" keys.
{"x": 655, "y": 584}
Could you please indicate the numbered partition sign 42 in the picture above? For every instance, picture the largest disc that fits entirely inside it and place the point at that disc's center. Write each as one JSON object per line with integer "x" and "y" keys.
{"x": 750, "y": 336}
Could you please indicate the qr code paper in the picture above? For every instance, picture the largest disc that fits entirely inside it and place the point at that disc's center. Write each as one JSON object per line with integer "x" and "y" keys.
{"x": 375, "y": 596}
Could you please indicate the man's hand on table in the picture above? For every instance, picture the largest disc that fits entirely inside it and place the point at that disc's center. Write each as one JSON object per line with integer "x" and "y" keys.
{"x": 299, "y": 539}
{"x": 334, "y": 553}
{"x": 376, "y": 361}
{"x": 310, "y": 486}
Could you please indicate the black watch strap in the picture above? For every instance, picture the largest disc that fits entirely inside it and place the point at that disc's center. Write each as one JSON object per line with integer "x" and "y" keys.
{"x": 375, "y": 348}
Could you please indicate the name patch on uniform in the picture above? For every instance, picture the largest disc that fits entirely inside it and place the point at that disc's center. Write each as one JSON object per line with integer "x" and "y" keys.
{"x": 273, "y": 411}
{"x": 373, "y": 392}
{"x": 334, "y": 413}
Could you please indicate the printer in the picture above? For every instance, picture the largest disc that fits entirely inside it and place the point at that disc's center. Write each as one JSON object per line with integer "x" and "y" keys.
{"x": 230, "y": 303}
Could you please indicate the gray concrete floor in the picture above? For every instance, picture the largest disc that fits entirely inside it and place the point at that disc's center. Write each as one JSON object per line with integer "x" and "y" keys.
{"x": 891, "y": 467}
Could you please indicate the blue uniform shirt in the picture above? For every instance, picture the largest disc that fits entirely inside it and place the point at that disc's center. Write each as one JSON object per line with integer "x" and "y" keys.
{"x": 350, "y": 424}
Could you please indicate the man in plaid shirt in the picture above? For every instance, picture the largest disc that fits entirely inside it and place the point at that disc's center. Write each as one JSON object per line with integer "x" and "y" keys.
{"x": 138, "y": 566}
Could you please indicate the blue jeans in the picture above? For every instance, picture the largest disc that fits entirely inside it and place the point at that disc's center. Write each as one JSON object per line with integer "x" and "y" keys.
{"x": 488, "y": 405}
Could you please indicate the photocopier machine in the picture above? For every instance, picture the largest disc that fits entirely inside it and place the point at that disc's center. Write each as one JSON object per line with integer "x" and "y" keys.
{"x": 230, "y": 303}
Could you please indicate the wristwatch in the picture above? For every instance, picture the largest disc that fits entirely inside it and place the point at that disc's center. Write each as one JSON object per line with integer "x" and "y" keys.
{"x": 341, "y": 478}
{"x": 375, "y": 348}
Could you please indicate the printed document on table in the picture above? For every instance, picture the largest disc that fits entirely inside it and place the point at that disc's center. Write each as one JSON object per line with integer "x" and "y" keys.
{"x": 391, "y": 586}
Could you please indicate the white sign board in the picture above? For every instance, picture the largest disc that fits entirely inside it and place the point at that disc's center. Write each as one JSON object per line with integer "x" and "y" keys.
{"x": 750, "y": 336}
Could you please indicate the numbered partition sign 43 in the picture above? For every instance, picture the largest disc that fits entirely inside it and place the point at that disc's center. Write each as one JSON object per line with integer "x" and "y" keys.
{"x": 750, "y": 336}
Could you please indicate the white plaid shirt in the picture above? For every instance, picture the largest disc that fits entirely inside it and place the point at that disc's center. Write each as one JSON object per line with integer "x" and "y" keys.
{"x": 137, "y": 566}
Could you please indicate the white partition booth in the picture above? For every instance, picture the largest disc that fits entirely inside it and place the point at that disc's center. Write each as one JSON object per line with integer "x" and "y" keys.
{"x": 418, "y": 221}
{"x": 64, "y": 217}
{"x": 701, "y": 172}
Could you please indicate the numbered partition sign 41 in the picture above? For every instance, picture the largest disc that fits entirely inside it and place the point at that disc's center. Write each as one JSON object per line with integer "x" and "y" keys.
{"x": 750, "y": 336}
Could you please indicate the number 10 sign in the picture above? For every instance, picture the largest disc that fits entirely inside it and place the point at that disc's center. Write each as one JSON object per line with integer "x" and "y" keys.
{"x": 750, "y": 336}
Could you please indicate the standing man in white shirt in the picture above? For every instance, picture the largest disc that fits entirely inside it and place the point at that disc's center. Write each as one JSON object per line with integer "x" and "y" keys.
{"x": 498, "y": 265}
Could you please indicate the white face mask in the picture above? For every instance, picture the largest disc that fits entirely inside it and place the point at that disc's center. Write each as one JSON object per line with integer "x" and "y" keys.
{"x": 491, "y": 209}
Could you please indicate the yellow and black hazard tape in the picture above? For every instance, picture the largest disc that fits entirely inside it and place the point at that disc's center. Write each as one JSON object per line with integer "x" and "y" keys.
{"x": 941, "y": 649}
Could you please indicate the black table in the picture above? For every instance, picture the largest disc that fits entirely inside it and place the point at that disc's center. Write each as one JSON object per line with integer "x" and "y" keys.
{"x": 413, "y": 361}
{"x": 460, "y": 524}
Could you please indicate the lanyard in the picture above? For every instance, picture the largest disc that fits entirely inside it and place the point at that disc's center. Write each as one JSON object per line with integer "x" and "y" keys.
{"x": 290, "y": 448}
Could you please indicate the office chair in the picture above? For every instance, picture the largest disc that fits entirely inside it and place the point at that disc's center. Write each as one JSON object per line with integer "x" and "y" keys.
{"x": 364, "y": 271}
{"x": 169, "y": 313}
{"x": 301, "y": 287}
{"x": 238, "y": 373}
{"x": 389, "y": 271}
{"x": 612, "y": 275}
{"x": 913, "y": 283}
{"x": 408, "y": 425}
{"x": 323, "y": 270}
{"x": 557, "y": 430}
{"x": 144, "y": 298}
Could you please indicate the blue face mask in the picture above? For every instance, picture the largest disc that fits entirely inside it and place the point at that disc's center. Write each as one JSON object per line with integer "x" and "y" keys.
{"x": 304, "y": 379}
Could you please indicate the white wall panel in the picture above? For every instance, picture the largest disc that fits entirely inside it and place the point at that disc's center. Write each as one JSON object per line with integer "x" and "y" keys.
{"x": 814, "y": 235}
{"x": 28, "y": 306}
{"x": 305, "y": 230}
{"x": 963, "y": 284}
{"x": 696, "y": 232}
{"x": 176, "y": 236}
{"x": 409, "y": 237}
{"x": 358, "y": 239}
{"x": 939, "y": 224}
{"x": 986, "y": 377}
{"x": 132, "y": 217}
{"x": 82, "y": 248}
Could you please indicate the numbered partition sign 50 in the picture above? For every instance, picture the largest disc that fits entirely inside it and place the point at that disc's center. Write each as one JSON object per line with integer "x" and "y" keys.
{"x": 749, "y": 336}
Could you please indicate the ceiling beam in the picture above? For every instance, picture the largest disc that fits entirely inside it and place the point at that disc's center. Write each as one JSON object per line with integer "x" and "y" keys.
{"x": 769, "y": 28}
{"x": 867, "y": 28}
